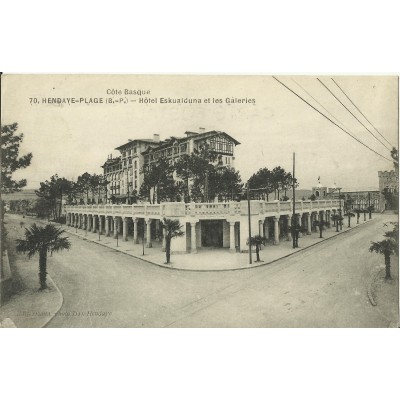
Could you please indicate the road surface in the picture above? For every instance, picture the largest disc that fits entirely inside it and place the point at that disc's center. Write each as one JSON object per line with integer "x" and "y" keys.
{"x": 323, "y": 286}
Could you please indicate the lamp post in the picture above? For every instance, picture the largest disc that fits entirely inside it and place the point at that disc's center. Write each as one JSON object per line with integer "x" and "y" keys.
{"x": 294, "y": 232}
{"x": 143, "y": 239}
{"x": 340, "y": 209}
{"x": 249, "y": 218}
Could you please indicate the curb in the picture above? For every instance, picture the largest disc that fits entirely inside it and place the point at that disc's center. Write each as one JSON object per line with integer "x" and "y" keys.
{"x": 61, "y": 304}
{"x": 228, "y": 269}
{"x": 370, "y": 293}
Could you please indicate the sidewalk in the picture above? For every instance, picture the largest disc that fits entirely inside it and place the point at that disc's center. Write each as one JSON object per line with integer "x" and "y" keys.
{"x": 27, "y": 307}
{"x": 212, "y": 259}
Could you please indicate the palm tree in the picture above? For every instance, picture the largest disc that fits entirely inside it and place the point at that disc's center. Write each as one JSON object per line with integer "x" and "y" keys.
{"x": 349, "y": 215}
{"x": 42, "y": 240}
{"x": 320, "y": 224}
{"x": 172, "y": 229}
{"x": 257, "y": 241}
{"x": 358, "y": 210}
{"x": 336, "y": 218}
{"x": 387, "y": 247}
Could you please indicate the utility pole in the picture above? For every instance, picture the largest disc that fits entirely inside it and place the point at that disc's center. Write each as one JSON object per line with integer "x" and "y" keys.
{"x": 294, "y": 205}
{"x": 1, "y": 206}
{"x": 248, "y": 210}
{"x": 127, "y": 185}
{"x": 340, "y": 209}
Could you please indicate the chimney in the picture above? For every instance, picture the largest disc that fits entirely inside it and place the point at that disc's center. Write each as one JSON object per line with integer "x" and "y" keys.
{"x": 156, "y": 137}
{"x": 202, "y": 130}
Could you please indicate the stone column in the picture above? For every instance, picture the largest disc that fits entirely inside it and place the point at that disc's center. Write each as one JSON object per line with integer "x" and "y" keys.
{"x": 94, "y": 230}
{"x": 328, "y": 219}
{"x": 276, "y": 230}
{"x": 266, "y": 228}
{"x": 135, "y": 231}
{"x": 100, "y": 224}
{"x": 163, "y": 239}
{"x": 232, "y": 247}
{"x": 115, "y": 227}
{"x": 193, "y": 237}
{"x": 309, "y": 223}
{"x": 148, "y": 233}
{"x": 289, "y": 227}
{"x": 107, "y": 222}
{"x": 125, "y": 229}
{"x": 120, "y": 225}
{"x": 261, "y": 228}
{"x": 85, "y": 218}
{"x": 158, "y": 230}
{"x": 300, "y": 223}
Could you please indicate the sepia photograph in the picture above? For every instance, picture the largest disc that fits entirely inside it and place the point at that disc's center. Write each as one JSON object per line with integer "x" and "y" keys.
{"x": 199, "y": 201}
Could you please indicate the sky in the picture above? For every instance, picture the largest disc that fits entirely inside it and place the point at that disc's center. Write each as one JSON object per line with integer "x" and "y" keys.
{"x": 72, "y": 139}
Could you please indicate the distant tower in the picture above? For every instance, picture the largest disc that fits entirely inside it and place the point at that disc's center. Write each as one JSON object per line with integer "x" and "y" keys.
{"x": 320, "y": 191}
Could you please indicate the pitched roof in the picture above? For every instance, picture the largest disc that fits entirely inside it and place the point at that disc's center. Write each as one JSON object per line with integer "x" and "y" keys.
{"x": 130, "y": 141}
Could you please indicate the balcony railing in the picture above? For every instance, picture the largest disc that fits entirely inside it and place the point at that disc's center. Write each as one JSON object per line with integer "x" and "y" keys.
{"x": 205, "y": 209}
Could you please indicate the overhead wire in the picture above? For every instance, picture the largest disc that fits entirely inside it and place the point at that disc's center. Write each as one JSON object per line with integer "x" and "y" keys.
{"x": 340, "y": 122}
{"x": 333, "y": 94}
{"x": 334, "y": 123}
{"x": 361, "y": 112}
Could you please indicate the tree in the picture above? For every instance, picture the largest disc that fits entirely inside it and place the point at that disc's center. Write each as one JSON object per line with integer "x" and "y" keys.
{"x": 10, "y": 160}
{"x": 312, "y": 197}
{"x": 84, "y": 183}
{"x": 349, "y": 214}
{"x": 320, "y": 224}
{"x": 257, "y": 241}
{"x": 184, "y": 168}
{"x": 395, "y": 156}
{"x": 262, "y": 180}
{"x": 158, "y": 183}
{"x": 202, "y": 167}
{"x": 42, "y": 240}
{"x": 358, "y": 211}
{"x": 172, "y": 229}
{"x": 387, "y": 247}
{"x": 336, "y": 218}
{"x": 53, "y": 191}
{"x": 370, "y": 209}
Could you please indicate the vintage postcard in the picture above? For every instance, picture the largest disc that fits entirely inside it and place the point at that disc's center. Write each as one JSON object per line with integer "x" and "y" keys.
{"x": 199, "y": 201}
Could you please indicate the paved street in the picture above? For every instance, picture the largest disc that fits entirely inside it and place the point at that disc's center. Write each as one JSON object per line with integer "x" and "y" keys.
{"x": 324, "y": 286}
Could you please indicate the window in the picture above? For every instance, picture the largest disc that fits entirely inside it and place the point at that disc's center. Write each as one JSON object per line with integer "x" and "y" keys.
{"x": 183, "y": 148}
{"x": 134, "y": 150}
{"x": 124, "y": 154}
{"x": 176, "y": 149}
{"x": 135, "y": 164}
{"x": 135, "y": 174}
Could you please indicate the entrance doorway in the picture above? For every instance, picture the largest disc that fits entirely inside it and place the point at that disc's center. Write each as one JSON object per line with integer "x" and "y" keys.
{"x": 212, "y": 233}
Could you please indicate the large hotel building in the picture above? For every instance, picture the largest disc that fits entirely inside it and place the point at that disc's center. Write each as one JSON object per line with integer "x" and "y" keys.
{"x": 124, "y": 172}
{"x": 211, "y": 225}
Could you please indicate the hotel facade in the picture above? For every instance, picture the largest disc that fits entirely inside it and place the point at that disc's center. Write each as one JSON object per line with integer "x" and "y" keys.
{"x": 124, "y": 171}
{"x": 205, "y": 225}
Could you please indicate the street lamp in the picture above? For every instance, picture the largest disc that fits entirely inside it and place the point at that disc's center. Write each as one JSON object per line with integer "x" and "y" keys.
{"x": 340, "y": 209}
{"x": 340, "y": 205}
{"x": 249, "y": 218}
